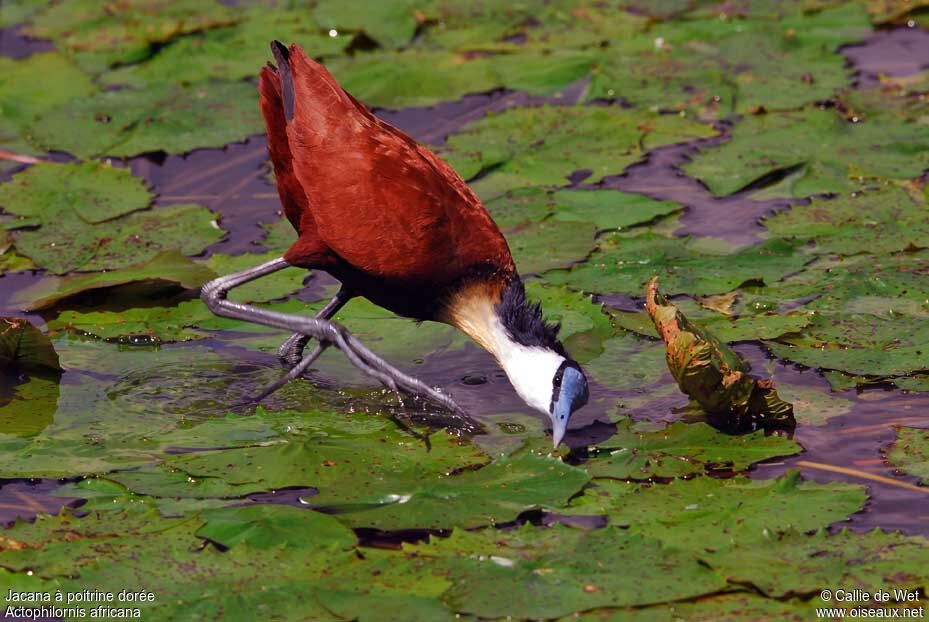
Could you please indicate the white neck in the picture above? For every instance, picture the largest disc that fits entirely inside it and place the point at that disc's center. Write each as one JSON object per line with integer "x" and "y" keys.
{"x": 530, "y": 369}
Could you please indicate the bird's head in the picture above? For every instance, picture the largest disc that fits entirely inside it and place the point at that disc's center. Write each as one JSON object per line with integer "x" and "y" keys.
{"x": 511, "y": 328}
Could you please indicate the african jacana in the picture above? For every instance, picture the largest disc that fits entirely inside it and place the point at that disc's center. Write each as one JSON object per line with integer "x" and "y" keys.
{"x": 393, "y": 223}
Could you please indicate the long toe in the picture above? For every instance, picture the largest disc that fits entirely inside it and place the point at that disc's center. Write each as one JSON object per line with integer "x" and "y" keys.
{"x": 291, "y": 351}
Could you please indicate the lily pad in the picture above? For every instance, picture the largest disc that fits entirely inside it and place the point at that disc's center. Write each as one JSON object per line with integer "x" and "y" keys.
{"x": 23, "y": 97}
{"x": 69, "y": 244}
{"x": 23, "y": 345}
{"x": 99, "y": 37}
{"x": 882, "y": 220}
{"x": 543, "y": 146}
{"x": 709, "y": 372}
{"x": 609, "y": 209}
{"x": 545, "y": 573}
{"x": 799, "y": 564}
{"x": 391, "y": 23}
{"x": 169, "y": 118}
{"x": 496, "y": 493}
{"x": 623, "y": 264}
{"x": 823, "y": 149}
{"x": 708, "y": 514}
{"x": 31, "y": 408}
{"x": 681, "y": 449}
{"x": 229, "y": 53}
{"x": 719, "y": 67}
{"x": 89, "y": 192}
{"x": 274, "y": 526}
{"x": 910, "y": 452}
{"x": 168, "y": 268}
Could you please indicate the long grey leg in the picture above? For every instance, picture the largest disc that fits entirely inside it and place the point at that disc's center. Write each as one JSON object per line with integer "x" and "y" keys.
{"x": 291, "y": 351}
{"x": 214, "y": 296}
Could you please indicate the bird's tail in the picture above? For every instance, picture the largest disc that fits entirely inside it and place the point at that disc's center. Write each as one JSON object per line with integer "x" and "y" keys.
{"x": 282, "y": 56}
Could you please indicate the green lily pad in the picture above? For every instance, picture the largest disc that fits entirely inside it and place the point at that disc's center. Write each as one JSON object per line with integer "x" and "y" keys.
{"x": 542, "y": 146}
{"x": 623, "y": 264}
{"x": 708, "y": 514}
{"x": 23, "y": 345}
{"x": 798, "y": 564}
{"x": 23, "y": 97}
{"x": 391, "y": 23}
{"x": 67, "y": 193}
{"x": 731, "y": 606}
{"x": 323, "y": 460}
{"x": 166, "y": 268}
{"x": 682, "y": 449}
{"x": 137, "y": 550}
{"x": 15, "y": 12}
{"x": 169, "y": 118}
{"x": 71, "y": 245}
{"x": 156, "y": 324}
{"x": 709, "y": 372}
{"x": 727, "y": 328}
{"x": 813, "y": 406}
{"x": 274, "y": 526}
{"x": 825, "y": 150}
{"x": 99, "y": 37}
{"x": 31, "y": 408}
{"x": 496, "y": 493}
{"x": 545, "y": 573}
{"x": 859, "y": 344}
{"x": 719, "y": 67}
{"x": 910, "y": 452}
{"x": 628, "y": 363}
{"x": 610, "y": 209}
{"x": 229, "y": 53}
{"x": 886, "y": 219}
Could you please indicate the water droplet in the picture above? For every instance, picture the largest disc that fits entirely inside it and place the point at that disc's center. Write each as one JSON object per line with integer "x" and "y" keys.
{"x": 333, "y": 32}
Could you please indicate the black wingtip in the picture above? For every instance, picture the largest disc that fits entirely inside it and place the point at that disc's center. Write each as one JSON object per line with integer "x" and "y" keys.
{"x": 282, "y": 56}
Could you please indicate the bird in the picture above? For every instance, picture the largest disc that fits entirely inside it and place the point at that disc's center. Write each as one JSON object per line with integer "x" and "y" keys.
{"x": 395, "y": 224}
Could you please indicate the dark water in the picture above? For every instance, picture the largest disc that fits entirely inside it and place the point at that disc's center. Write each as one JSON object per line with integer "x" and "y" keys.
{"x": 897, "y": 52}
{"x": 15, "y": 44}
{"x": 230, "y": 181}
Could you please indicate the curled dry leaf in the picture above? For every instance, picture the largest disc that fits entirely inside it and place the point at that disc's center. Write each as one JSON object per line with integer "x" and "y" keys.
{"x": 712, "y": 374}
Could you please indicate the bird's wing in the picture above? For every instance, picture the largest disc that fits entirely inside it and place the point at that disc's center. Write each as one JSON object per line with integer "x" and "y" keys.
{"x": 385, "y": 204}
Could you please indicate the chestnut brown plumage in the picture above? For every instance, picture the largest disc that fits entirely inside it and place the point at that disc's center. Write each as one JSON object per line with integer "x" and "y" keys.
{"x": 396, "y": 224}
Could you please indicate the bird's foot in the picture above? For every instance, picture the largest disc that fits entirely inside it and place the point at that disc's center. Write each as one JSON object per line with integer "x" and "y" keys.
{"x": 291, "y": 351}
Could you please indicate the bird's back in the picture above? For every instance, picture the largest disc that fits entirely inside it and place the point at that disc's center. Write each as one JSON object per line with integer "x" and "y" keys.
{"x": 355, "y": 186}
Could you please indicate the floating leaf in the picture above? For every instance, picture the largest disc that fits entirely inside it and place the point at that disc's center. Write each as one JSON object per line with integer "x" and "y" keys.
{"x": 23, "y": 97}
{"x": 623, "y": 264}
{"x": 157, "y": 324}
{"x": 229, "y": 53}
{"x": 681, "y": 449}
{"x": 23, "y": 345}
{"x": 326, "y": 462}
{"x": 542, "y": 146}
{"x": 709, "y": 372}
{"x": 706, "y": 513}
{"x": 274, "y": 526}
{"x": 99, "y": 35}
{"x": 546, "y": 573}
{"x": 884, "y": 220}
{"x": 910, "y": 452}
{"x": 169, "y": 268}
{"x": 609, "y": 209}
{"x": 73, "y": 194}
{"x": 168, "y": 118}
{"x": 719, "y": 67}
{"x": 32, "y": 406}
{"x": 496, "y": 493}
{"x": 391, "y": 23}
{"x": 70, "y": 244}
{"x": 798, "y": 564}
{"x": 821, "y": 147}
